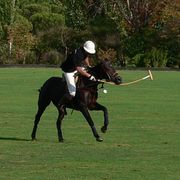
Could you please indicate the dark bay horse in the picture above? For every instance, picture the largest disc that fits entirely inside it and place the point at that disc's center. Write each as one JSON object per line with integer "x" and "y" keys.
{"x": 85, "y": 99}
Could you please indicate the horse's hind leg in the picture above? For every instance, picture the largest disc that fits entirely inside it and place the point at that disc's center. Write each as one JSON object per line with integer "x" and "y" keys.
{"x": 58, "y": 125}
{"x": 41, "y": 109}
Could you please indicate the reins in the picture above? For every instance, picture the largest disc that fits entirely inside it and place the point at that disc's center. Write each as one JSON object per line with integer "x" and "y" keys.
{"x": 93, "y": 84}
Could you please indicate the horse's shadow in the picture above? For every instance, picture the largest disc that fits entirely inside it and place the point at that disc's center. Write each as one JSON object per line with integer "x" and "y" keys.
{"x": 13, "y": 139}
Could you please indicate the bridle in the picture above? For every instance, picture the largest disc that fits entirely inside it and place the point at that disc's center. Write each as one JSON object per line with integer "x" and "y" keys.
{"x": 114, "y": 75}
{"x": 110, "y": 76}
{"x": 102, "y": 69}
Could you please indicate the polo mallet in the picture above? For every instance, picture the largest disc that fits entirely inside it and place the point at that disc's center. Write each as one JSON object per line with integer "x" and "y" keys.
{"x": 150, "y": 76}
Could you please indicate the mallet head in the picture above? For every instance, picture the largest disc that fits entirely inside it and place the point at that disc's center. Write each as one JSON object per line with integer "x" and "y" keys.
{"x": 150, "y": 75}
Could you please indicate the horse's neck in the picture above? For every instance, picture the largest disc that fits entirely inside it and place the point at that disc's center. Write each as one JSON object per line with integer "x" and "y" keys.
{"x": 83, "y": 82}
{"x": 95, "y": 71}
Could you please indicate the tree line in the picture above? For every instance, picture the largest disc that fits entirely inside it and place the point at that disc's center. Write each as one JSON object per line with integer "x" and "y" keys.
{"x": 137, "y": 33}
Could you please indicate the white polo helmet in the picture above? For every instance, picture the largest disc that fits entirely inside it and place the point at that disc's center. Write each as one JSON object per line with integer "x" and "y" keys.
{"x": 89, "y": 47}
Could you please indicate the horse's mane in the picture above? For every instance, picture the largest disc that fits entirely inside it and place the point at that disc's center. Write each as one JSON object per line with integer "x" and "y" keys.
{"x": 84, "y": 82}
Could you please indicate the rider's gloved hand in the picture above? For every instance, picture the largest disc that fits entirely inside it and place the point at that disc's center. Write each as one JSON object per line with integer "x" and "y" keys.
{"x": 92, "y": 78}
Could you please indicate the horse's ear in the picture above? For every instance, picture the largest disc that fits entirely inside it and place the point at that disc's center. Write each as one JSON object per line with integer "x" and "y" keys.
{"x": 104, "y": 61}
{"x": 107, "y": 60}
{"x": 99, "y": 61}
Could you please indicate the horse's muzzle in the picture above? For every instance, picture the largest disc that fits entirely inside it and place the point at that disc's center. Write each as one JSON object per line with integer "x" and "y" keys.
{"x": 117, "y": 80}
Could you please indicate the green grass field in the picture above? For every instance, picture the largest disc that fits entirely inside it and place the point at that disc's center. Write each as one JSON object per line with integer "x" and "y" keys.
{"x": 142, "y": 143}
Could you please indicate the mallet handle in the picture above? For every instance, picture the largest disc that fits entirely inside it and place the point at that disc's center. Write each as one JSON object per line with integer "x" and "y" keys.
{"x": 132, "y": 82}
{"x": 145, "y": 77}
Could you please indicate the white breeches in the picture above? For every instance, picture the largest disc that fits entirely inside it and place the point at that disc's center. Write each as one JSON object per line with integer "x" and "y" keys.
{"x": 70, "y": 79}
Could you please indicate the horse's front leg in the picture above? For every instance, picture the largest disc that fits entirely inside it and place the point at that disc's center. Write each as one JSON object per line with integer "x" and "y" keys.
{"x": 87, "y": 116}
{"x": 100, "y": 107}
{"x": 58, "y": 125}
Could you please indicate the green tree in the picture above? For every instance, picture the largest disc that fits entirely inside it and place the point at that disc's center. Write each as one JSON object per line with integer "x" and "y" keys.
{"x": 140, "y": 24}
{"x": 19, "y": 34}
{"x": 7, "y": 14}
{"x": 75, "y": 13}
{"x": 5, "y": 9}
{"x": 46, "y": 17}
{"x": 171, "y": 32}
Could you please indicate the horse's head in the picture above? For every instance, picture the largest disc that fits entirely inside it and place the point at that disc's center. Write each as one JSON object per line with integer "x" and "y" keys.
{"x": 106, "y": 71}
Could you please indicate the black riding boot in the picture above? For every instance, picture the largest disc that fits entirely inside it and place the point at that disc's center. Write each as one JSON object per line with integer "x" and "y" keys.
{"x": 67, "y": 98}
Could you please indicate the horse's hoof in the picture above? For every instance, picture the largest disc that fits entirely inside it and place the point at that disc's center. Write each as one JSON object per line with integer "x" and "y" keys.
{"x": 61, "y": 140}
{"x": 34, "y": 139}
{"x": 103, "y": 129}
{"x": 99, "y": 139}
